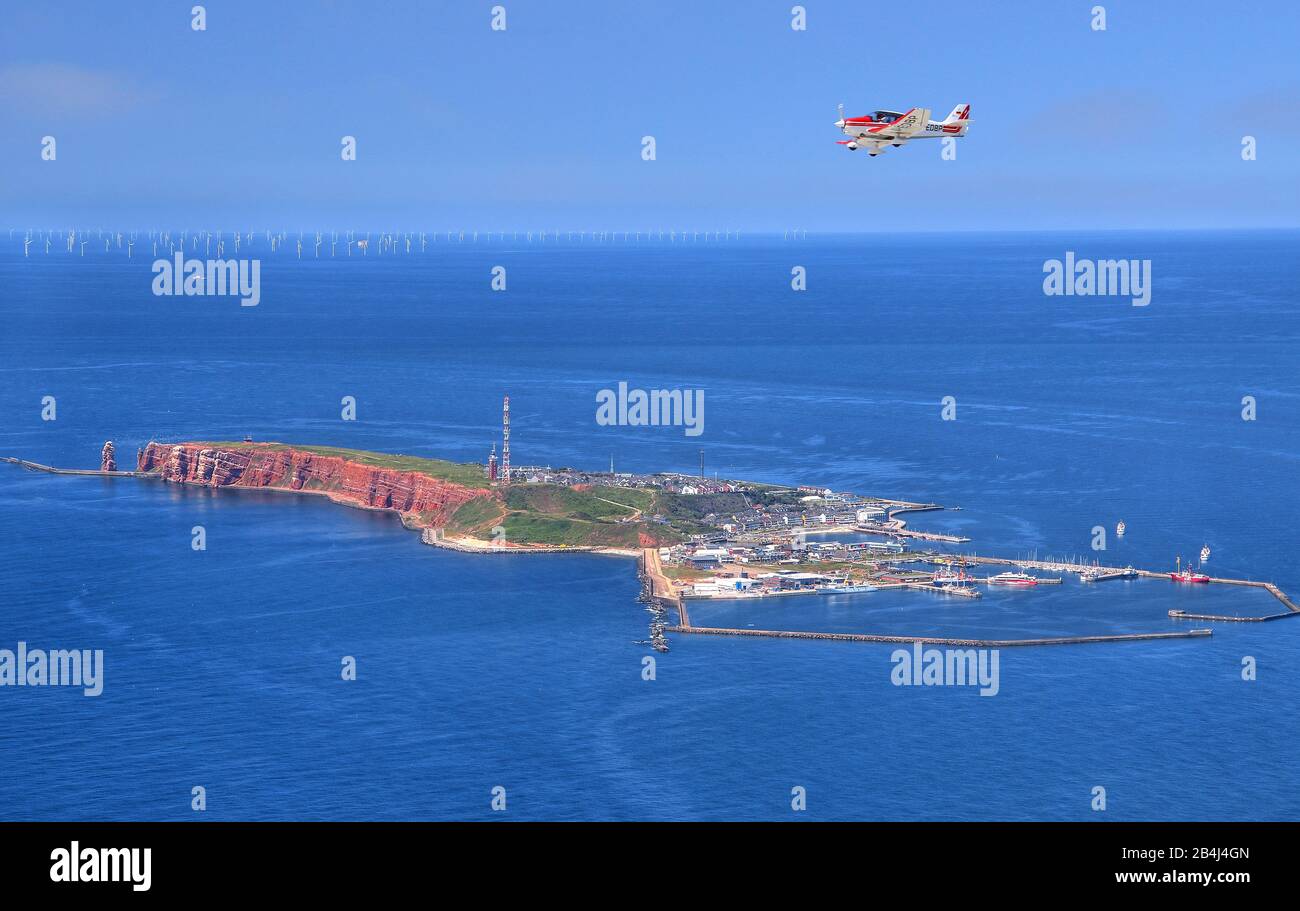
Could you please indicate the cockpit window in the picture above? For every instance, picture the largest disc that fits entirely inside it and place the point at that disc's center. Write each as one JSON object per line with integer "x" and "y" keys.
{"x": 885, "y": 116}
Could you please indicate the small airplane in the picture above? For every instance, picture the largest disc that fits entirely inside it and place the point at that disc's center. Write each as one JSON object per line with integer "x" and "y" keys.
{"x": 876, "y": 132}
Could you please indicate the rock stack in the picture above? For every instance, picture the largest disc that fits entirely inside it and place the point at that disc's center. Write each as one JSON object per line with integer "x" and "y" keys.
{"x": 106, "y": 460}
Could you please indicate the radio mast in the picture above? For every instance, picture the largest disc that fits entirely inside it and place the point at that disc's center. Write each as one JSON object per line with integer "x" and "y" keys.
{"x": 505, "y": 443}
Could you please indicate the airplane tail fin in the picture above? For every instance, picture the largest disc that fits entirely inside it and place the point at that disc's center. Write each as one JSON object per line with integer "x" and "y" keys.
{"x": 959, "y": 113}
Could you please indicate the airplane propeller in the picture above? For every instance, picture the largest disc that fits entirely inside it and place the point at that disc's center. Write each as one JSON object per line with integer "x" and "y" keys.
{"x": 840, "y": 123}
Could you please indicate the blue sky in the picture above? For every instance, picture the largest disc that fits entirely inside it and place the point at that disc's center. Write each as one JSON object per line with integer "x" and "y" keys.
{"x": 541, "y": 126}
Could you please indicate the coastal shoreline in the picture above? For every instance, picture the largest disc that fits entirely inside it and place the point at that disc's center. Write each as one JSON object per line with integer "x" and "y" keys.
{"x": 202, "y": 465}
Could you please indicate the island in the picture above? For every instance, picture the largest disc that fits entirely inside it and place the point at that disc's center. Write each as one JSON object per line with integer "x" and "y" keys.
{"x": 693, "y": 537}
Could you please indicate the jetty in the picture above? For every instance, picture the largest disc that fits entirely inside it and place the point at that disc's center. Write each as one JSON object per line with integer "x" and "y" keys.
{"x": 931, "y": 640}
{"x": 1291, "y": 608}
{"x": 892, "y": 525}
{"x": 84, "y": 472}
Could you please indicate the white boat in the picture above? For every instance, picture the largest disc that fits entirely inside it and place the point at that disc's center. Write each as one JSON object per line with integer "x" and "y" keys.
{"x": 847, "y": 589}
{"x": 1205, "y": 553}
{"x": 1021, "y": 580}
{"x": 1119, "y": 529}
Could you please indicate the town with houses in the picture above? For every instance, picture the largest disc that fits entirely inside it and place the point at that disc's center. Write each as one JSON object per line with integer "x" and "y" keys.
{"x": 752, "y": 540}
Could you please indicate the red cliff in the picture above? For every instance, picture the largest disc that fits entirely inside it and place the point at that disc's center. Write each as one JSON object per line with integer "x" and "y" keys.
{"x": 429, "y": 501}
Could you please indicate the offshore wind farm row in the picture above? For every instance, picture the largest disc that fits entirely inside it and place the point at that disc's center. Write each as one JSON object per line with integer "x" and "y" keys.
{"x": 334, "y": 243}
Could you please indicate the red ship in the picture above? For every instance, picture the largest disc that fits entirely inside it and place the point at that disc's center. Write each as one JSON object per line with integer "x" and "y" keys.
{"x": 1186, "y": 575}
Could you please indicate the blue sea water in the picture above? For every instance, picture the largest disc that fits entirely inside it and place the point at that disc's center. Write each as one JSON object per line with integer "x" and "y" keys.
{"x": 223, "y": 666}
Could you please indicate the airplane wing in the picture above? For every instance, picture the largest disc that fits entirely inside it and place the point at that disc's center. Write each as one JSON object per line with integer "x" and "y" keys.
{"x": 909, "y": 124}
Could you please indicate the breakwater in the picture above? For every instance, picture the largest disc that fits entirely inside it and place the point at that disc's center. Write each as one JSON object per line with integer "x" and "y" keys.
{"x": 931, "y": 640}
{"x": 84, "y": 472}
{"x": 1291, "y": 608}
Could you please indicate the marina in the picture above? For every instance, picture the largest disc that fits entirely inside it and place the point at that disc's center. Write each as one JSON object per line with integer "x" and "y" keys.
{"x": 951, "y": 579}
{"x": 656, "y": 585}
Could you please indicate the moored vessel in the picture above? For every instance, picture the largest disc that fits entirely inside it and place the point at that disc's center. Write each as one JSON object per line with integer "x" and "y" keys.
{"x": 1020, "y": 580}
{"x": 1097, "y": 574}
{"x": 946, "y": 577}
{"x": 1181, "y": 574}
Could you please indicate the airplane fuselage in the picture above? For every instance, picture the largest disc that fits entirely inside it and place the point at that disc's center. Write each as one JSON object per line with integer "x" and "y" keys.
{"x": 933, "y": 130}
{"x": 890, "y": 128}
